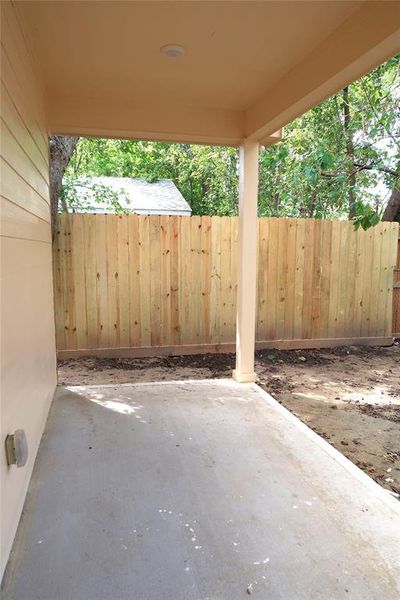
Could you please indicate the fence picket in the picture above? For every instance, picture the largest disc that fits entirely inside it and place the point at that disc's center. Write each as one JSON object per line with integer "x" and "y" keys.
{"x": 134, "y": 280}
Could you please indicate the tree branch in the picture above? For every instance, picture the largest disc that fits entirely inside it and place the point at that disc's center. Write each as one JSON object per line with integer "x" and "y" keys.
{"x": 374, "y": 166}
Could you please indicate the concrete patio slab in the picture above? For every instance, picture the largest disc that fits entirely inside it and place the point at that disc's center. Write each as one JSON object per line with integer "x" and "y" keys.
{"x": 195, "y": 490}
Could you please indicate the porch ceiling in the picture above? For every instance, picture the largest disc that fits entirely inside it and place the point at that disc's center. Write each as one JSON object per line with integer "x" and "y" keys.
{"x": 249, "y": 67}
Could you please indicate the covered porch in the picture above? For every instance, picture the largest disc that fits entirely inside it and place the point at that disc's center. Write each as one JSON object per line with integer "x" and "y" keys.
{"x": 189, "y": 490}
{"x": 194, "y": 490}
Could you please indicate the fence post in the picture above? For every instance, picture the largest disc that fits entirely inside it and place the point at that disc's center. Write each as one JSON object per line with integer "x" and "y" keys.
{"x": 247, "y": 262}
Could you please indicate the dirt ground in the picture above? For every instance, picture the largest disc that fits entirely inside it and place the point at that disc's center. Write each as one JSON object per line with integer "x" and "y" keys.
{"x": 350, "y": 396}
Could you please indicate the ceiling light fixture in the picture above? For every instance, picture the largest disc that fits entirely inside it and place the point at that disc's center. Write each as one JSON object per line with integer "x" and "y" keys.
{"x": 173, "y": 51}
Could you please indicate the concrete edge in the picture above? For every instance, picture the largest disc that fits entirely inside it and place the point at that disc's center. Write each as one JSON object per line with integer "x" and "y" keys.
{"x": 340, "y": 458}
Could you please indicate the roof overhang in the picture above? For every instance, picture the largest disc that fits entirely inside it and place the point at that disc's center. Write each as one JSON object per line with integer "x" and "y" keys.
{"x": 249, "y": 67}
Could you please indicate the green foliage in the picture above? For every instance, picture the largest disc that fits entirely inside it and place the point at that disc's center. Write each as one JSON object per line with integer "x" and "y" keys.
{"x": 309, "y": 173}
{"x": 365, "y": 216}
{"x": 205, "y": 175}
{"x": 323, "y": 165}
{"x": 81, "y": 193}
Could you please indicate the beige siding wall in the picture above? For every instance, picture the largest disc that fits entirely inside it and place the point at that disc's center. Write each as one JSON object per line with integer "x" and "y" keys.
{"x": 28, "y": 373}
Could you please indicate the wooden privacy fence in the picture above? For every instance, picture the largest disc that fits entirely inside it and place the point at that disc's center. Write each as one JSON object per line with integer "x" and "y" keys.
{"x": 145, "y": 285}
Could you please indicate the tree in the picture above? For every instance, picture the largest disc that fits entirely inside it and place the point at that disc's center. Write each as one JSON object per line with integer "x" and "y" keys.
{"x": 61, "y": 149}
{"x": 392, "y": 210}
{"x": 205, "y": 175}
{"x": 349, "y": 152}
{"x": 340, "y": 156}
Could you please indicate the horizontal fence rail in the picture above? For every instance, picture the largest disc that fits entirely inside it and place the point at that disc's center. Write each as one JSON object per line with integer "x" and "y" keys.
{"x": 144, "y": 285}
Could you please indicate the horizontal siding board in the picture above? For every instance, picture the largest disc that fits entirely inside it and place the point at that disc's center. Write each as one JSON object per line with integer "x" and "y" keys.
{"x": 20, "y": 223}
{"x": 18, "y": 127}
{"x": 17, "y": 190}
{"x": 20, "y": 161}
{"x": 21, "y": 59}
{"x": 23, "y": 103}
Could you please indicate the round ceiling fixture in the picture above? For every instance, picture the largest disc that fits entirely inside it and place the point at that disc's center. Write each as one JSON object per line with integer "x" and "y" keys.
{"x": 173, "y": 50}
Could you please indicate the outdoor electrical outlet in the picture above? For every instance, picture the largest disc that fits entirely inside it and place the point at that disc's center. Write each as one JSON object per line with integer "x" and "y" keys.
{"x": 17, "y": 448}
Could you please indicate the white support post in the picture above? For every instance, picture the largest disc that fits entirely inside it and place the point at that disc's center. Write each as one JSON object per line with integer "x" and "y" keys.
{"x": 247, "y": 262}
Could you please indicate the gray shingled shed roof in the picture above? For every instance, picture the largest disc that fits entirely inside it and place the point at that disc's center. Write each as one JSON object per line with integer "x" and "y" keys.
{"x": 134, "y": 195}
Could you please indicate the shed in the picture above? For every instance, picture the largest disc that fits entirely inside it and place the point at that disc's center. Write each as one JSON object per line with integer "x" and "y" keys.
{"x": 135, "y": 195}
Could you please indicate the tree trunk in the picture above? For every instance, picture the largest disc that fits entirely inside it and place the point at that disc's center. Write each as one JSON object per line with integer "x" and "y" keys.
{"x": 312, "y": 205}
{"x": 61, "y": 149}
{"x": 277, "y": 204}
{"x": 392, "y": 210}
{"x": 349, "y": 152}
